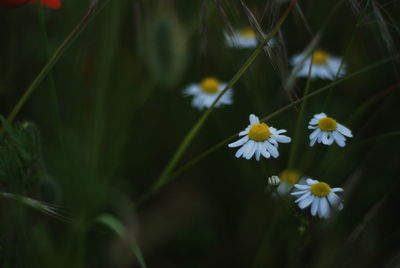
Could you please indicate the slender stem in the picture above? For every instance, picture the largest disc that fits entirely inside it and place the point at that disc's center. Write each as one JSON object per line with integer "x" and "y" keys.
{"x": 300, "y": 119}
{"x": 192, "y": 133}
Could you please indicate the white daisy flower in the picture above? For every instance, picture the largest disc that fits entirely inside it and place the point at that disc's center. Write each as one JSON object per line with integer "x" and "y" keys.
{"x": 327, "y": 130}
{"x": 319, "y": 195}
{"x": 324, "y": 65}
{"x": 259, "y": 139}
{"x": 207, "y": 91}
{"x": 289, "y": 177}
{"x": 243, "y": 38}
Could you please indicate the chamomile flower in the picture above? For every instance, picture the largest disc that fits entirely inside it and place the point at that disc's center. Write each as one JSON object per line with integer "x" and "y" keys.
{"x": 207, "y": 91}
{"x": 243, "y": 38}
{"x": 319, "y": 195}
{"x": 289, "y": 177}
{"x": 327, "y": 130}
{"x": 324, "y": 65}
{"x": 259, "y": 139}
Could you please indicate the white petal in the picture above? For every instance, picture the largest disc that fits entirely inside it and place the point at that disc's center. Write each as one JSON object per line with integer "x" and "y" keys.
{"x": 272, "y": 149}
{"x": 313, "y": 121}
{"x": 334, "y": 200}
{"x": 306, "y": 202}
{"x": 243, "y": 149}
{"x": 222, "y": 86}
{"x": 320, "y": 116}
{"x": 314, "y": 206}
{"x": 239, "y": 142}
{"x": 301, "y": 186}
{"x": 253, "y": 119}
{"x": 312, "y": 142}
{"x": 307, "y": 194}
{"x": 245, "y": 132}
{"x": 337, "y": 189}
{"x": 264, "y": 152}
{"x": 282, "y": 138}
{"x": 311, "y": 181}
{"x": 299, "y": 192}
{"x": 192, "y": 89}
{"x": 273, "y": 142}
{"x": 280, "y": 131}
{"x": 321, "y": 136}
{"x": 296, "y": 59}
{"x": 344, "y": 130}
{"x": 315, "y": 133}
{"x": 323, "y": 210}
{"x": 251, "y": 150}
{"x": 330, "y": 138}
{"x": 258, "y": 151}
{"x": 325, "y": 138}
{"x": 340, "y": 140}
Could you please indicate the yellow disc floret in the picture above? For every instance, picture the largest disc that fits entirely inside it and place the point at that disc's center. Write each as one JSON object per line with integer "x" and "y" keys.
{"x": 327, "y": 124}
{"x": 320, "y": 57}
{"x": 209, "y": 85}
{"x": 290, "y": 175}
{"x": 259, "y": 132}
{"x": 320, "y": 189}
{"x": 247, "y": 32}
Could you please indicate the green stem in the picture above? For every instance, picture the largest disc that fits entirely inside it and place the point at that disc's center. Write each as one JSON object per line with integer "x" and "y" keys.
{"x": 161, "y": 181}
{"x": 300, "y": 119}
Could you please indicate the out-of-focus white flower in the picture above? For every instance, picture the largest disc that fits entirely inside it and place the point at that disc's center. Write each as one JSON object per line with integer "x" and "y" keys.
{"x": 288, "y": 177}
{"x": 324, "y": 65}
{"x": 207, "y": 91}
{"x": 327, "y": 130}
{"x": 244, "y": 38}
{"x": 319, "y": 195}
{"x": 259, "y": 139}
{"x": 273, "y": 181}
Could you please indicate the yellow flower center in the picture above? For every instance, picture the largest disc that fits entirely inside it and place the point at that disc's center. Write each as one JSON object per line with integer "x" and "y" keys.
{"x": 247, "y": 32}
{"x": 259, "y": 132}
{"x": 320, "y": 189}
{"x": 290, "y": 175}
{"x": 209, "y": 85}
{"x": 327, "y": 124}
{"x": 319, "y": 57}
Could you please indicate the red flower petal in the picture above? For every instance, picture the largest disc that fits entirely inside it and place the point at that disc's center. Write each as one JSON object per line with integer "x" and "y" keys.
{"x": 55, "y": 4}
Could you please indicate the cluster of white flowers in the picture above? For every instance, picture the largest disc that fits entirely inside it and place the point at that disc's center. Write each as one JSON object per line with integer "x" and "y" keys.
{"x": 261, "y": 140}
{"x": 309, "y": 193}
{"x": 320, "y": 64}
